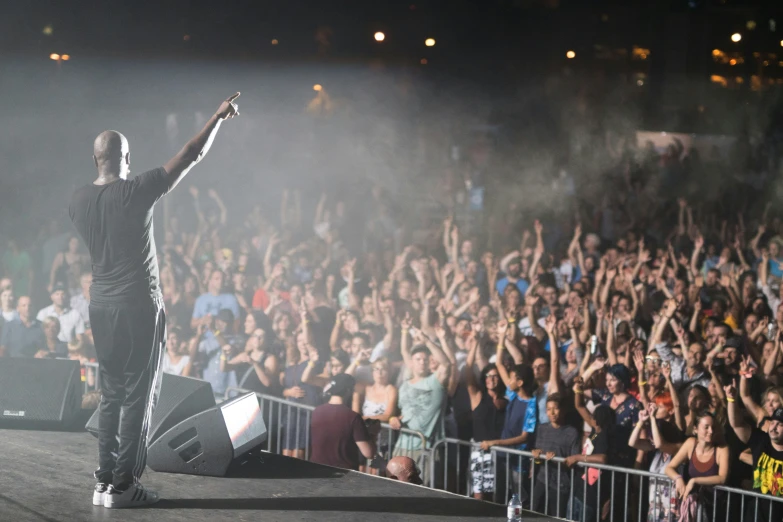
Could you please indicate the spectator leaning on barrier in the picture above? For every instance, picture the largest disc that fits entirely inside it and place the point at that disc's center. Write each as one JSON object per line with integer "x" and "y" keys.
{"x": 554, "y": 439}
{"x": 488, "y": 405}
{"x": 422, "y": 397}
{"x": 339, "y": 435}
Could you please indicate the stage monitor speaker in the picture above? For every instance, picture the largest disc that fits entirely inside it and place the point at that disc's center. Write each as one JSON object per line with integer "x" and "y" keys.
{"x": 180, "y": 398}
{"x": 208, "y": 442}
{"x": 39, "y": 394}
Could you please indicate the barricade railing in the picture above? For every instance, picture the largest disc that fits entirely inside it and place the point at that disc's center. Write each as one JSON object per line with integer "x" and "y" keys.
{"x": 91, "y": 377}
{"x": 448, "y": 472}
{"x": 288, "y": 424}
{"x": 767, "y": 503}
{"x": 555, "y": 492}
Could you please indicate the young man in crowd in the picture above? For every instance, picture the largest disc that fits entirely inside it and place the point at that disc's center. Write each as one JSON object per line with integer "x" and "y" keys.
{"x": 767, "y": 452}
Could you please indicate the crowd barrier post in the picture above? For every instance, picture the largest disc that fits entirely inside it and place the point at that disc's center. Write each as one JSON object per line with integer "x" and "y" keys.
{"x": 771, "y": 502}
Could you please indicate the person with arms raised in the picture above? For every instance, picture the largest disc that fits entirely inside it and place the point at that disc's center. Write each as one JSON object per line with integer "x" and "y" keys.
{"x": 113, "y": 216}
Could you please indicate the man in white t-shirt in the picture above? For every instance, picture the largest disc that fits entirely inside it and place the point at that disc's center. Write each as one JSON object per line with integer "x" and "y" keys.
{"x": 71, "y": 322}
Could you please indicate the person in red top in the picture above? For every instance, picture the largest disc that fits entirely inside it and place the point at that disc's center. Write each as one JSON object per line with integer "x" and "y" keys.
{"x": 339, "y": 434}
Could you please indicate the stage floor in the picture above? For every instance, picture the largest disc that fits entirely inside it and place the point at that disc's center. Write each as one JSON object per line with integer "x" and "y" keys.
{"x": 47, "y": 476}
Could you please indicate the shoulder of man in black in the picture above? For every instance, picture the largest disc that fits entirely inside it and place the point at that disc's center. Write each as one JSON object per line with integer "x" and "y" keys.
{"x": 148, "y": 187}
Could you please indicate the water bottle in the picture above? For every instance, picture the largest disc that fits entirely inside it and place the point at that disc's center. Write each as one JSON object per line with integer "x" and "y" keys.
{"x": 515, "y": 509}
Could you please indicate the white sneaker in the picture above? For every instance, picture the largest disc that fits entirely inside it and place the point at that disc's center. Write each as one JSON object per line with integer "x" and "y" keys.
{"x": 99, "y": 494}
{"x": 135, "y": 496}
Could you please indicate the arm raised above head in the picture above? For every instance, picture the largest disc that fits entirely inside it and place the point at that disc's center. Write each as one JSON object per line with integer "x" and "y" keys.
{"x": 198, "y": 146}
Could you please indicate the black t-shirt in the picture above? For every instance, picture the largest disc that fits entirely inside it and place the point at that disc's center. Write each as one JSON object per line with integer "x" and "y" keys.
{"x": 767, "y": 465}
{"x": 115, "y": 221}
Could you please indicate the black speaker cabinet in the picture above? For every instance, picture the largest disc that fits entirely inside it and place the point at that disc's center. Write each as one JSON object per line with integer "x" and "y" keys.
{"x": 39, "y": 394}
{"x": 180, "y": 398}
{"x": 208, "y": 442}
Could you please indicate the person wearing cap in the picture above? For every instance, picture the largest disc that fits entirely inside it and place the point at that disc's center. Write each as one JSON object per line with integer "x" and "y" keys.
{"x": 71, "y": 321}
{"x": 511, "y": 265}
{"x": 767, "y": 452}
{"x": 339, "y": 436}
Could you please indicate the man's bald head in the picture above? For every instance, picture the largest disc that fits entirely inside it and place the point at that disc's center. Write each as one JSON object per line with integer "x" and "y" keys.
{"x": 111, "y": 154}
{"x": 403, "y": 469}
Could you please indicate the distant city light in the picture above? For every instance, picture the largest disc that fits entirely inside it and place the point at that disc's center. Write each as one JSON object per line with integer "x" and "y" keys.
{"x": 379, "y": 36}
{"x": 48, "y": 30}
{"x": 186, "y": 37}
{"x": 772, "y": 25}
{"x": 732, "y": 62}
{"x": 423, "y": 61}
{"x": 751, "y": 24}
{"x": 639, "y": 82}
{"x": 429, "y": 42}
{"x": 781, "y": 43}
{"x": 65, "y": 57}
{"x": 570, "y": 55}
{"x": 54, "y": 56}
{"x": 736, "y": 37}
{"x": 317, "y": 87}
{"x": 274, "y": 41}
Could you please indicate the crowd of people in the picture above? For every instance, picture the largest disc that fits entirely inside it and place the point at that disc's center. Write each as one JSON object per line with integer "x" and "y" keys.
{"x": 654, "y": 345}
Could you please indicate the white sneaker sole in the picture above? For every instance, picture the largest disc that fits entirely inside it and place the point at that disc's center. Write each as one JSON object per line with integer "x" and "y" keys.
{"x": 111, "y": 503}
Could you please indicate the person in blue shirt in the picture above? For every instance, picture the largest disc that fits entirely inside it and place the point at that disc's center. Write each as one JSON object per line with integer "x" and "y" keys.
{"x": 209, "y": 304}
{"x": 513, "y": 276}
{"x": 521, "y": 416}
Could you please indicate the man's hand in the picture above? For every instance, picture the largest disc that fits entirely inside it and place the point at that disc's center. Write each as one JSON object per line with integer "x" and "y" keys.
{"x": 573, "y": 459}
{"x": 228, "y": 109}
{"x": 536, "y": 453}
{"x": 731, "y": 390}
{"x": 296, "y": 392}
{"x": 485, "y": 445}
{"x": 395, "y": 423}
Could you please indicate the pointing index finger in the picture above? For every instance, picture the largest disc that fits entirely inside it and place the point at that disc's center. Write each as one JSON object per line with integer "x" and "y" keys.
{"x": 233, "y": 97}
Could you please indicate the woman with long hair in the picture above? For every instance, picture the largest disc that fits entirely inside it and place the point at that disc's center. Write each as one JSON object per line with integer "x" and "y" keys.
{"x": 67, "y": 265}
{"x": 707, "y": 458}
{"x": 488, "y": 405}
{"x": 380, "y": 398}
{"x": 257, "y": 368}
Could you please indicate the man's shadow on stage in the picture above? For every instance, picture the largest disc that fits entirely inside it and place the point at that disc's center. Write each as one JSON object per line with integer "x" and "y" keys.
{"x": 443, "y": 506}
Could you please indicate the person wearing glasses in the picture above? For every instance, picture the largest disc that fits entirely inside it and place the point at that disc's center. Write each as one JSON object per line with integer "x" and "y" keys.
{"x": 488, "y": 403}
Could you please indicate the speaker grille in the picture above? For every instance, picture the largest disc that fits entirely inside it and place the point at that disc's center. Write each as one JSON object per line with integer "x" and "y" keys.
{"x": 38, "y": 392}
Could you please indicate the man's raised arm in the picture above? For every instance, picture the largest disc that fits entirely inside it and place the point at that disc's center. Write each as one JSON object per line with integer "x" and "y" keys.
{"x": 195, "y": 150}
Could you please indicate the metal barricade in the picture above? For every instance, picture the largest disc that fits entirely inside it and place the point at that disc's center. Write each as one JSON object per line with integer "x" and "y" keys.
{"x": 448, "y": 472}
{"x": 91, "y": 377}
{"x": 554, "y": 493}
{"x": 755, "y": 500}
{"x": 288, "y": 422}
